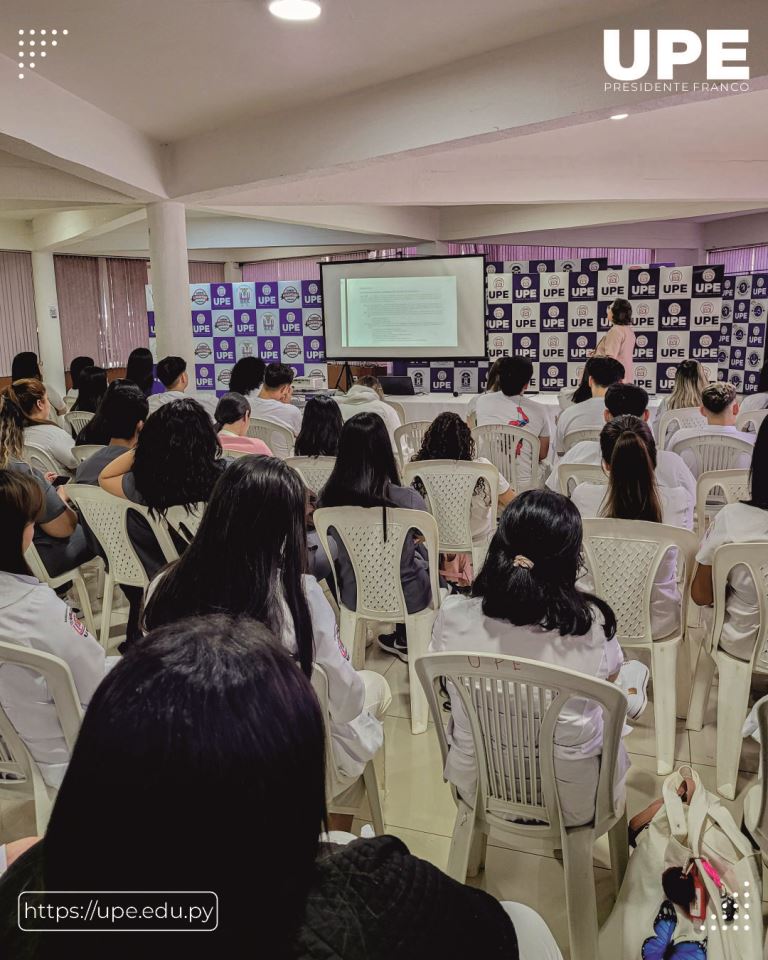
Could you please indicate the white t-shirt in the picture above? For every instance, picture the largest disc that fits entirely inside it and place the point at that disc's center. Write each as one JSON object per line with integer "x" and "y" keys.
{"x": 737, "y": 523}
{"x": 739, "y": 461}
{"x": 587, "y": 415}
{"x": 31, "y": 615}
{"x": 56, "y": 442}
{"x": 677, "y": 511}
{"x": 362, "y": 399}
{"x": 753, "y": 402}
{"x": 462, "y": 625}
{"x": 208, "y": 401}
{"x": 276, "y": 412}
{"x": 517, "y": 411}
{"x": 482, "y": 515}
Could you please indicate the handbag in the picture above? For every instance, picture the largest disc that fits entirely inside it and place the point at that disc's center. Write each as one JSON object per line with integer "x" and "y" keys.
{"x": 700, "y": 844}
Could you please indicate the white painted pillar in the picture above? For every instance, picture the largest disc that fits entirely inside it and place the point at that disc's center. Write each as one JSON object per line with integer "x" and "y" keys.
{"x": 233, "y": 272}
{"x": 170, "y": 279}
{"x": 50, "y": 349}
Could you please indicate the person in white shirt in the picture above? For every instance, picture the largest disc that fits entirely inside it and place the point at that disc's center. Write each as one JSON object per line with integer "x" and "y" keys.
{"x": 32, "y": 399}
{"x": 366, "y": 396}
{"x": 274, "y": 400}
{"x": 719, "y": 406}
{"x": 31, "y": 615}
{"x": 690, "y": 382}
{"x": 246, "y": 560}
{"x": 508, "y": 406}
{"x": 525, "y": 603}
{"x": 629, "y": 460}
{"x": 589, "y": 414}
{"x": 744, "y": 522}
{"x": 172, "y": 373}
{"x": 247, "y": 376}
{"x": 757, "y": 401}
{"x": 627, "y": 399}
{"x": 491, "y": 386}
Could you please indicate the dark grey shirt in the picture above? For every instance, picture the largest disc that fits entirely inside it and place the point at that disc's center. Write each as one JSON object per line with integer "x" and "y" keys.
{"x": 89, "y": 470}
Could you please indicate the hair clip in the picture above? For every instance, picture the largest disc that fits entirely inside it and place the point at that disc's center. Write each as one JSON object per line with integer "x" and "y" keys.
{"x": 521, "y": 561}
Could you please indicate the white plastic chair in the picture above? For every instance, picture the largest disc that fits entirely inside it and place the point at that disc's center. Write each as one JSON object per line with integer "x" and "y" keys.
{"x": 15, "y": 759}
{"x": 334, "y": 785}
{"x": 277, "y": 437}
{"x": 107, "y": 518}
{"x": 579, "y": 436}
{"x": 732, "y": 484}
{"x": 685, "y": 417}
{"x": 756, "y": 800}
{"x": 186, "y": 522}
{"x": 375, "y": 559}
{"x": 503, "y": 445}
{"x": 570, "y": 475}
{"x": 450, "y": 486}
{"x": 86, "y": 450}
{"x": 314, "y": 471}
{"x": 735, "y": 674}
{"x": 623, "y": 557}
{"x": 750, "y": 420}
{"x": 39, "y": 459}
{"x": 75, "y": 576}
{"x": 398, "y": 408}
{"x": 408, "y": 439}
{"x": 77, "y": 419}
{"x": 716, "y": 452}
{"x": 513, "y": 706}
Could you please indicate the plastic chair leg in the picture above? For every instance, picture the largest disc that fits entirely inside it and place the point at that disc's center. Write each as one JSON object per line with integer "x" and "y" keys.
{"x": 618, "y": 845}
{"x": 106, "y": 610}
{"x": 477, "y": 851}
{"x": 419, "y": 632}
{"x": 732, "y": 700}
{"x": 664, "y": 661}
{"x": 85, "y": 602}
{"x": 702, "y": 683}
{"x": 352, "y": 637}
{"x": 461, "y": 843}
{"x": 374, "y": 798}
{"x": 580, "y": 894}
{"x": 43, "y": 803}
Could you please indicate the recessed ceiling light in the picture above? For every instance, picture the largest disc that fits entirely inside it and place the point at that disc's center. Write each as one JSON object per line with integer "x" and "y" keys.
{"x": 619, "y": 116}
{"x": 295, "y": 9}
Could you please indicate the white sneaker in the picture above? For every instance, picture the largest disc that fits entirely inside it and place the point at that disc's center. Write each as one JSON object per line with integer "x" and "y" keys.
{"x": 633, "y": 680}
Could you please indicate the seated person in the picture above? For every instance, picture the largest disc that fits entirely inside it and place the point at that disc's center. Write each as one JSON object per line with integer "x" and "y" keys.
{"x": 589, "y": 414}
{"x": 629, "y": 460}
{"x": 247, "y": 376}
{"x": 690, "y": 382}
{"x": 627, "y": 399}
{"x": 744, "y": 522}
{"x": 273, "y": 402}
{"x": 720, "y": 407}
{"x": 221, "y": 703}
{"x": 59, "y": 538}
{"x": 525, "y": 603}
{"x": 491, "y": 386}
{"x": 320, "y": 428}
{"x": 76, "y": 367}
{"x": 26, "y": 366}
{"x": 31, "y": 615}
{"x": 365, "y": 475}
{"x": 39, "y": 429}
{"x": 508, "y": 406}
{"x": 367, "y": 396}
{"x": 140, "y": 370}
{"x": 118, "y": 421}
{"x": 172, "y": 373}
{"x": 92, "y": 387}
{"x": 233, "y": 414}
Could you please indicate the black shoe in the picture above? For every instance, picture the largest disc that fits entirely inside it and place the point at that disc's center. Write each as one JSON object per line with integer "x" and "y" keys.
{"x": 393, "y": 643}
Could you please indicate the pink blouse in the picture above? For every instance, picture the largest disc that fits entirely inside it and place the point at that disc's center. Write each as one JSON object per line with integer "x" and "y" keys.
{"x": 244, "y": 445}
{"x": 619, "y": 343}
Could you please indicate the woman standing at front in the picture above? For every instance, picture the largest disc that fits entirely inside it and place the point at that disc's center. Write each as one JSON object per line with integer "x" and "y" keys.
{"x": 619, "y": 342}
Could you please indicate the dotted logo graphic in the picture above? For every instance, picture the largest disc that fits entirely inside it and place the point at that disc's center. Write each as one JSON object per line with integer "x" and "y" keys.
{"x": 34, "y": 45}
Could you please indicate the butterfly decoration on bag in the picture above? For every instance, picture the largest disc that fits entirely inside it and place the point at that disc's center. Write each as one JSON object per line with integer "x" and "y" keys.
{"x": 661, "y": 947}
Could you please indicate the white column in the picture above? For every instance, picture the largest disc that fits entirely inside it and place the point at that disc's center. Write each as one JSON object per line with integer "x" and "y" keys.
{"x": 170, "y": 279}
{"x": 50, "y": 349}
{"x": 233, "y": 272}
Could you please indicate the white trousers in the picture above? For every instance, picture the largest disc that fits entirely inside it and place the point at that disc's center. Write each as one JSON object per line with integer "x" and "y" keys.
{"x": 534, "y": 940}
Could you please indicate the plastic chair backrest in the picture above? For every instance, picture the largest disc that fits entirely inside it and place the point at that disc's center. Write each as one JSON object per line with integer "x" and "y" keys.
{"x": 375, "y": 558}
{"x": 39, "y": 459}
{"x": 107, "y": 518}
{"x": 398, "y": 408}
{"x": 77, "y": 419}
{"x": 716, "y": 452}
{"x": 502, "y": 445}
{"x": 760, "y": 830}
{"x": 513, "y": 706}
{"x": 314, "y": 471}
{"x": 685, "y": 417}
{"x": 450, "y": 486}
{"x": 333, "y": 784}
{"x": 623, "y": 557}
{"x": 186, "y": 522}
{"x": 753, "y": 556}
{"x": 579, "y": 436}
{"x": 750, "y": 420}
{"x": 277, "y": 437}
{"x": 409, "y": 437}
{"x": 570, "y": 475}
{"x": 734, "y": 485}
{"x": 86, "y": 450}
{"x": 565, "y": 400}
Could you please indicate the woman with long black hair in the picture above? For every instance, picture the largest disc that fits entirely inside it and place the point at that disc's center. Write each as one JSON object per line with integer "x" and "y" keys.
{"x": 231, "y": 419}
{"x": 320, "y": 428}
{"x": 248, "y": 559}
{"x": 247, "y": 376}
{"x": 140, "y": 370}
{"x": 525, "y": 603}
{"x": 92, "y": 387}
{"x": 76, "y": 367}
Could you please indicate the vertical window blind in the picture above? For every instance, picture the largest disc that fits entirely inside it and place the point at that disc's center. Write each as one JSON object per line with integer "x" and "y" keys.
{"x": 18, "y": 326}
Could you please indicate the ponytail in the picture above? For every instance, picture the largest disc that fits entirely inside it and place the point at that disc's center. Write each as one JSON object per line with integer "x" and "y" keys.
{"x": 25, "y": 394}
{"x": 627, "y": 446}
{"x": 231, "y": 408}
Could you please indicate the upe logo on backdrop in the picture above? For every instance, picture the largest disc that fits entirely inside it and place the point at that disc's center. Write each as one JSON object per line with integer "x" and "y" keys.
{"x": 224, "y": 324}
{"x": 200, "y": 296}
{"x": 678, "y": 48}
{"x": 203, "y": 351}
{"x": 313, "y": 322}
{"x": 291, "y": 350}
{"x": 290, "y": 295}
